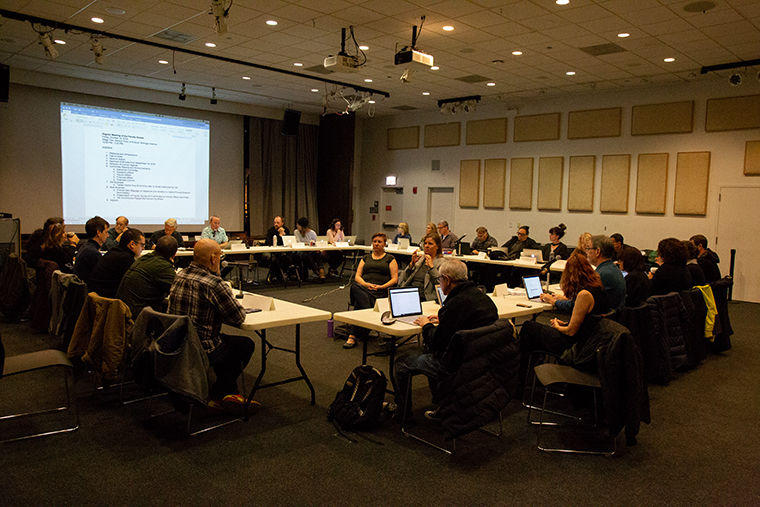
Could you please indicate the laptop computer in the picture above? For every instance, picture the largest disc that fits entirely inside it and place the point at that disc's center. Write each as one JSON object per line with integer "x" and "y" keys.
{"x": 288, "y": 240}
{"x": 533, "y": 253}
{"x": 464, "y": 248}
{"x": 440, "y": 295}
{"x": 405, "y": 303}
{"x": 533, "y": 287}
{"x": 403, "y": 243}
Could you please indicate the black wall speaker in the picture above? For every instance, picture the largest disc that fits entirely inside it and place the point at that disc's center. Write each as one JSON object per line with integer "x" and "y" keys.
{"x": 290, "y": 122}
{"x": 5, "y": 79}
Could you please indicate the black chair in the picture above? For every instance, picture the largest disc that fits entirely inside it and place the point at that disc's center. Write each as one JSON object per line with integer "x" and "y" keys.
{"x": 723, "y": 329}
{"x": 483, "y": 365}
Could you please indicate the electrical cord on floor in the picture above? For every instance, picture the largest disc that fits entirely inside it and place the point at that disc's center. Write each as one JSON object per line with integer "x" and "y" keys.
{"x": 336, "y": 289}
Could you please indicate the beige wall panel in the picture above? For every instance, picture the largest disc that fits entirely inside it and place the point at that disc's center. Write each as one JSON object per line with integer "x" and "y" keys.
{"x": 580, "y": 187}
{"x": 442, "y": 134}
{"x": 669, "y": 118}
{"x": 733, "y": 113}
{"x": 469, "y": 184}
{"x": 616, "y": 171}
{"x": 550, "y": 183}
{"x": 752, "y": 158}
{"x": 537, "y": 127}
{"x": 494, "y": 178}
{"x": 692, "y": 180}
{"x": 403, "y": 138}
{"x": 521, "y": 183}
{"x": 652, "y": 183}
{"x": 594, "y": 123}
{"x": 492, "y": 131}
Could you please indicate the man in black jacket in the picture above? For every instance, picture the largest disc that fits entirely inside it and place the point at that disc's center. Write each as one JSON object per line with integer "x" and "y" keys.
{"x": 707, "y": 260}
{"x": 107, "y": 275}
{"x": 465, "y": 307}
{"x": 88, "y": 254}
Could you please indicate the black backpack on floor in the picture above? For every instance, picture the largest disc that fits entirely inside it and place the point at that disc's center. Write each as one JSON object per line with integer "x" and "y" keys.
{"x": 359, "y": 404}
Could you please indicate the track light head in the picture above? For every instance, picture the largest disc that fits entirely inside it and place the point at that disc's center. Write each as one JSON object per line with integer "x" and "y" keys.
{"x": 182, "y": 95}
{"x": 47, "y": 43}
{"x": 735, "y": 79}
{"x": 220, "y": 13}
{"x": 97, "y": 49}
{"x": 213, "y": 100}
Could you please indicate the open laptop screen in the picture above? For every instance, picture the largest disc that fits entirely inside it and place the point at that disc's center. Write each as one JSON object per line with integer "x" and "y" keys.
{"x": 532, "y": 286}
{"x": 405, "y": 301}
{"x": 440, "y": 294}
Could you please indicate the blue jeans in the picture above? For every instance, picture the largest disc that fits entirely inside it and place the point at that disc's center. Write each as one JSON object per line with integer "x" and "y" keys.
{"x": 411, "y": 364}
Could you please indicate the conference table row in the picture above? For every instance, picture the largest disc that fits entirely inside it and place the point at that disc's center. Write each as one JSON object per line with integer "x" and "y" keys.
{"x": 268, "y": 313}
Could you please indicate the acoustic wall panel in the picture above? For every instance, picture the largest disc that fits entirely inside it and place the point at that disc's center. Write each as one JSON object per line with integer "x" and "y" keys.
{"x": 442, "y": 134}
{"x": 652, "y": 183}
{"x": 615, "y": 179}
{"x": 752, "y": 158}
{"x": 403, "y": 138}
{"x": 594, "y": 123}
{"x": 494, "y": 178}
{"x": 580, "y": 187}
{"x": 550, "y": 171}
{"x": 491, "y": 131}
{"x": 469, "y": 183}
{"x": 521, "y": 183}
{"x": 537, "y": 127}
{"x": 733, "y": 113}
{"x": 692, "y": 181}
{"x": 669, "y": 118}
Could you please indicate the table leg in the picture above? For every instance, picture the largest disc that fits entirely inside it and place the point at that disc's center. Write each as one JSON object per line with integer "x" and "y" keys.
{"x": 298, "y": 363}
{"x": 263, "y": 335}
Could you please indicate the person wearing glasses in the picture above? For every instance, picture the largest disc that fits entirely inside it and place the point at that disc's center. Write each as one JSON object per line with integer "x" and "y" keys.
{"x": 600, "y": 256}
{"x": 520, "y": 242}
{"x": 449, "y": 240}
{"x": 107, "y": 275}
{"x": 215, "y": 232}
{"x": 170, "y": 229}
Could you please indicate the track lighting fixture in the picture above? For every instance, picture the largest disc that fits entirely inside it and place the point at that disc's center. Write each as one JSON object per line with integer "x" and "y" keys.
{"x": 459, "y": 104}
{"x": 182, "y": 95}
{"x": 47, "y": 42}
{"x": 97, "y": 49}
{"x": 220, "y": 13}
{"x": 213, "y": 100}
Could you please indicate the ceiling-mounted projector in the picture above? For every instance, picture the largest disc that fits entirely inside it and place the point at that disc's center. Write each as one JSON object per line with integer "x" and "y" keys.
{"x": 413, "y": 56}
{"x": 341, "y": 63}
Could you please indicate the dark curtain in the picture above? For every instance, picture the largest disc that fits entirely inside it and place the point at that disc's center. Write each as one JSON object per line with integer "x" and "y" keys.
{"x": 283, "y": 175}
{"x": 336, "y": 163}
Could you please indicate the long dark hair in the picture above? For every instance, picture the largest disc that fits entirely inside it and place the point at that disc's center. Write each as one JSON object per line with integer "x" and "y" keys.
{"x": 578, "y": 275}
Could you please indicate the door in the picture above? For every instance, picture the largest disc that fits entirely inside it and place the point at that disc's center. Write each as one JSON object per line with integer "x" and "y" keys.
{"x": 738, "y": 228}
{"x": 440, "y": 205}
{"x": 391, "y": 209}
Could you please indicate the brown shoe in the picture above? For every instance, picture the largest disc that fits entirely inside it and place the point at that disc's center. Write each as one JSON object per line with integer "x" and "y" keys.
{"x": 322, "y": 273}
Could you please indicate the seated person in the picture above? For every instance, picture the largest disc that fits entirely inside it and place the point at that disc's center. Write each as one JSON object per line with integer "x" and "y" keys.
{"x": 581, "y": 283}
{"x": 518, "y": 243}
{"x": 148, "y": 280}
{"x": 430, "y": 228}
{"x": 309, "y": 260}
{"x": 376, "y": 272}
{"x": 422, "y": 271}
{"x": 199, "y": 292}
{"x": 34, "y": 243}
{"x": 402, "y": 232}
{"x": 280, "y": 260}
{"x": 707, "y": 259}
{"x": 672, "y": 275}
{"x": 697, "y": 275}
{"x": 214, "y": 231}
{"x": 555, "y": 249}
{"x": 483, "y": 241}
{"x": 107, "y": 275}
{"x": 170, "y": 229}
{"x": 465, "y": 307}
{"x": 334, "y": 235}
{"x": 114, "y": 234}
{"x": 449, "y": 240}
{"x": 88, "y": 254}
{"x": 59, "y": 246}
{"x": 618, "y": 244}
{"x": 560, "y": 302}
{"x": 637, "y": 284}
{"x": 599, "y": 255}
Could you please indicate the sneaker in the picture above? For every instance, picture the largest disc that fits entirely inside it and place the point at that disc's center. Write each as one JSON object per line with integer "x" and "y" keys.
{"x": 235, "y": 403}
{"x": 390, "y": 407}
{"x": 432, "y": 415}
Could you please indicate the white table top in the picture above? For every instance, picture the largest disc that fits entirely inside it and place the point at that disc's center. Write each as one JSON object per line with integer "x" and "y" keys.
{"x": 285, "y": 313}
{"x": 188, "y": 252}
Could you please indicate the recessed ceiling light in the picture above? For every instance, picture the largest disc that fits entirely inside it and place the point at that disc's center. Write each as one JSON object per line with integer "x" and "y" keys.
{"x": 59, "y": 41}
{"x": 371, "y": 101}
{"x": 271, "y": 22}
{"x": 364, "y": 48}
{"x": 367, "y": 80}
{"x": 491, "y": 84}
{"x": 426, "y": 93}
{"x": 448, "y": 28}
{"x": 517, "y": 53}
{"x": 97, "y": 20}
{"x": 623, "y": 35}
{"x": 315, "y": 90}
{"x": 298, "y": 64}
{"x": 116, "y": 11}
{"x": 669, "y": 59}
{"x": 562, "y": 2}
{"x": 163, "y": 62}
{"x": 570, "y": 73}
{"x": 247, "y": 78}
{"x": 434, "y": 67}
{"x": 210, "y": 45}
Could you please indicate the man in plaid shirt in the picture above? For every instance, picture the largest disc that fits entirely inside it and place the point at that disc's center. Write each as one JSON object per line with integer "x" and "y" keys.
{"x": 200, "y": 293}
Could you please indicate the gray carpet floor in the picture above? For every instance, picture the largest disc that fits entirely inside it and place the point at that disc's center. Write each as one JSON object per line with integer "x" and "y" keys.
{"x": 702, "y": 446}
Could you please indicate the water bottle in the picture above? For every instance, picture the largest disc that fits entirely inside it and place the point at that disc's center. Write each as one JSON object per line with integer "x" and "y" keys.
{"x": 330, "y": 328}
{"x": 274, "y": 240}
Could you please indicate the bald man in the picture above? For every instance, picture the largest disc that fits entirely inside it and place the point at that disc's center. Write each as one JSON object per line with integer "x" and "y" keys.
{"x": 200, "y": 293}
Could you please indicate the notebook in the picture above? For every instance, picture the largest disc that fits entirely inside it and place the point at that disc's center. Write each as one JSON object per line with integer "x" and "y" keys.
{"x": 405, "y": 304}
{"x": 440, "y": 295}
{"x": 533, "y": 288}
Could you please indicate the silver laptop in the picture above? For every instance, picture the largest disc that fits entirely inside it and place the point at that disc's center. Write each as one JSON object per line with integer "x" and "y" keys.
{"x": 405, "y": 303}
{"x": 440, "y": 295}
{"x": 403, "y": 243}
{"x": 288, "y": 240}
{"x": 530, "y": 252}
{"x": 533, "y": 287}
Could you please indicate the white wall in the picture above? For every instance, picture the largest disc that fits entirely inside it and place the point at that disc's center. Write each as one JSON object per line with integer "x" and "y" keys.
{"x": 413, "y": 167}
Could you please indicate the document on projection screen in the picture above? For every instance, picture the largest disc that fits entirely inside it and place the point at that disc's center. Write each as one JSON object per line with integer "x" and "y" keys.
{"x": 144, "y": 166}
